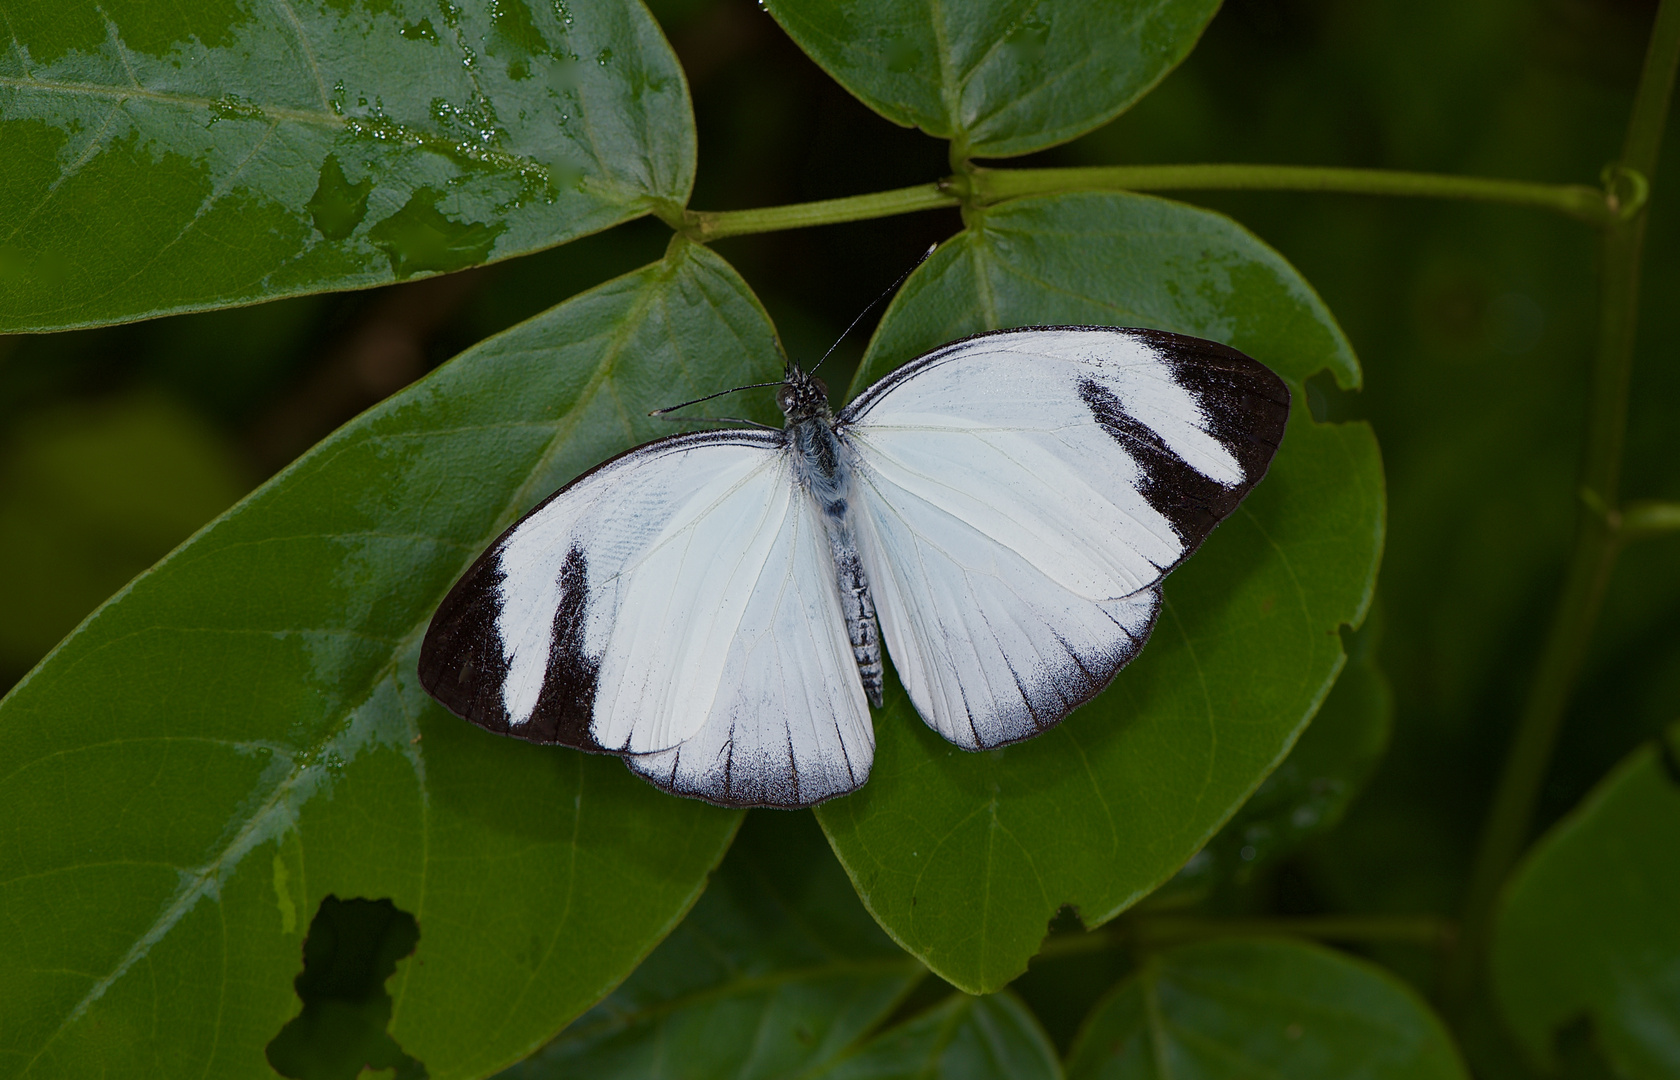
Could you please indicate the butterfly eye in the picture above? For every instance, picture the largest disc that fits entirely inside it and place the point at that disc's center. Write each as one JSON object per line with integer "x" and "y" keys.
{"x": 785, "y": 399}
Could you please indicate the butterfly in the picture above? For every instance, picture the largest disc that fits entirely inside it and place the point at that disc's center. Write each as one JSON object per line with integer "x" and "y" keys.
{"x": 1000, "y": 512}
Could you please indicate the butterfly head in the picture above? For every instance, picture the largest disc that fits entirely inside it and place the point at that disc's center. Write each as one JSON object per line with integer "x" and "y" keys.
{"x": 802, "y": 396}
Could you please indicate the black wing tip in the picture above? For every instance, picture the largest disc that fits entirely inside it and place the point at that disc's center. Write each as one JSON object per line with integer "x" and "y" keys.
{"x": 462, "y": 666}
{"x": 460, "y": 657}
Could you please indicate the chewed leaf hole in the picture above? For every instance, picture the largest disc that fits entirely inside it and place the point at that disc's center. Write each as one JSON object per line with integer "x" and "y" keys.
{"x": 352, "y": 948}
{"x": 1329, "y": 403}
{"x": 1066, "y": 921}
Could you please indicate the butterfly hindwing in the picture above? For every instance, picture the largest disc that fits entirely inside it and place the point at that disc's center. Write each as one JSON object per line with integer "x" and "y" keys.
{"x": 1023, "y": 493}
{"x": 673, "y": 606}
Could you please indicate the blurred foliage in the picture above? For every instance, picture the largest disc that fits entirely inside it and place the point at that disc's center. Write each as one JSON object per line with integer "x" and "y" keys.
{"x": 1588, "y": 939}
{"x": 1474, "y": 325}
{"x": 1265, "y": 1007}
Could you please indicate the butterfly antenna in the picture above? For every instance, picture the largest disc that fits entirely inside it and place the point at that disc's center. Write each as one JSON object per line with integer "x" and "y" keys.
{"x": 871, "y": 307}
{"x": 715, "y": 420}
{"x": 708, "y": 397}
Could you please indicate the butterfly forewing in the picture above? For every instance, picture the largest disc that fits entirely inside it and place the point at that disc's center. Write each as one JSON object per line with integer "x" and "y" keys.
{"x": 670, "y": 606}
{"x": 1022, "y": 495}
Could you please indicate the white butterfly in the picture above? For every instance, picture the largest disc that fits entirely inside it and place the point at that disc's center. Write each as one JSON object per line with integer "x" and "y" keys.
{"x": 1003, "y": 509}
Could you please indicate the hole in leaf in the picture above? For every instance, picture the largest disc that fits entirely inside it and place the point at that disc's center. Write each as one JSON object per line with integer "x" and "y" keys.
{"x": 1066, "y": 921}
{"x": 1329, "y": 403}
{"x": 352, "y": 948}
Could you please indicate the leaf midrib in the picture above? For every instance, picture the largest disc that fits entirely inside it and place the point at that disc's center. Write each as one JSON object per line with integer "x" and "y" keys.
{"x": 269, "y": 112}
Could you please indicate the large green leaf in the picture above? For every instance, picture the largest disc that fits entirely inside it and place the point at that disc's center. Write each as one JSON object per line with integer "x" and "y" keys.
{"x": 169, "y": 157}
{"x": 964, "y": 858}
{"x": 1236, "y": 1009}
{"x": 778, "y": 971}
{"x": 1591, "y": 924}
{"x": 1308, "y": 793}
{"x": 241, "y": 733}
{"x": 997, "y": 77}
{"x": 966, "y": 1038}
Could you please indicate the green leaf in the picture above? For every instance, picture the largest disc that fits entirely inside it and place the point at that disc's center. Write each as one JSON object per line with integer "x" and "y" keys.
{"x": 177, "y": 157}
{"x": 1589, "y": 927}
{"x": 997, "y": 77}
{"x": 966, "y": 1038}
{"x": 964, "y": 858}
{"x": 1309, "y": 792}
{"x": 1262, "y": 1008}
{"x": 241, "y": 733}
{"x": 778, "y": 971}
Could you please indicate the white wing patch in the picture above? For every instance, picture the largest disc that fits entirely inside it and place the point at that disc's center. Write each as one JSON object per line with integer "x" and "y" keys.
{"x": 1023, "y": 494}
{"x": 791, "y": 726}
{"x": 678, "y": 607}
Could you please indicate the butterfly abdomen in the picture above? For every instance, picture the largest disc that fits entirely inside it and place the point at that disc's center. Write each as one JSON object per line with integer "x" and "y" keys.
{"x": 823, "y": 468}
{"x": 861, "y": 625}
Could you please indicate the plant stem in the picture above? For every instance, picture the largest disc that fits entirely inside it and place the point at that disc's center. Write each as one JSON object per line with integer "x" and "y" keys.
{"x": 1165, "y": 929}
{"x": 1576, "y": 200}
{"x": 985, "y": 186}
{"x": 1650, "y": 517}
{"x": 1597, "y": 537}
{"x": 704, "y": 225}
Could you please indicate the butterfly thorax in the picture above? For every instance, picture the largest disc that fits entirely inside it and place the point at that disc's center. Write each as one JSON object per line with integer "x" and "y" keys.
{"x": 819, "y": 461}
{"x": 823, "y": 467}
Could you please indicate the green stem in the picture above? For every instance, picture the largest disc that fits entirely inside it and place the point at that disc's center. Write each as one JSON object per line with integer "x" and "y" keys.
{"x": 985, "y": 186}
{"x": 1576, "y": 200}
{"x": 1597, "y": 537}
{"x": 706, "y": 225}
{"x": 1157, "y": 930}
{"x": 1649, "y": 517}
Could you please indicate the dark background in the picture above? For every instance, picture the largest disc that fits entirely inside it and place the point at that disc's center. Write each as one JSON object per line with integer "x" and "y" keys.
{"x": 1475, "y": 325}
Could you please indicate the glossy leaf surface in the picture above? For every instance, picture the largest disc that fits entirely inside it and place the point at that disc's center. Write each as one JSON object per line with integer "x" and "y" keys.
{"x": 1589, "y": 927}
{"x": 778, "y": 971}
{"x": 997, "y": 77}
{"x": 180, "y": 156}
{"x": 965, "y": 858}
{"x": 1232, "y": 1009}
{"x": 241, "y": 733}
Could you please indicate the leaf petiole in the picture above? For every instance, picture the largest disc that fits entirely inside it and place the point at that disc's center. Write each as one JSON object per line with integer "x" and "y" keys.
{"x": 1621, "y": 198}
